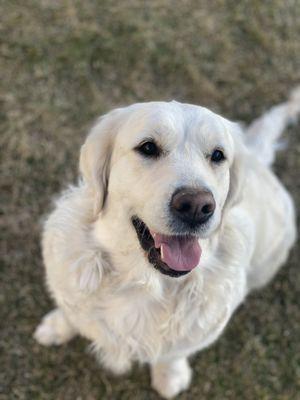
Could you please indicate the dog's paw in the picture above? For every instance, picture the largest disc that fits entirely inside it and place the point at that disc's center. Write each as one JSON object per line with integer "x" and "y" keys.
{"x": 169, "y": 379}
{"x": 54, "y": 329}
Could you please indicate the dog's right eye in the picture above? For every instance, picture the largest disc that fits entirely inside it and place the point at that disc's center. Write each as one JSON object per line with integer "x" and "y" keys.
{"x": 149, "y": 149}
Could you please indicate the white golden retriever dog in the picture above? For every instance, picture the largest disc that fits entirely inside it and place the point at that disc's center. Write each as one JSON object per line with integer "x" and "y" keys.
{"x": 177, "y": 217}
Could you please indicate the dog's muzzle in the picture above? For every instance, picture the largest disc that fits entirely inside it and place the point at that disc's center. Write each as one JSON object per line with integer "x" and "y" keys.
{"x": 174, "y": 255}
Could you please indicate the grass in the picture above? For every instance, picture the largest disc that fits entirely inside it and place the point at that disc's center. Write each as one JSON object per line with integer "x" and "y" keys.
{"x": 65, "y": 62}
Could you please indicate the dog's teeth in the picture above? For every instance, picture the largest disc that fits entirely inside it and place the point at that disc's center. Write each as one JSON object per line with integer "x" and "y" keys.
{"x": 161, "y": 252}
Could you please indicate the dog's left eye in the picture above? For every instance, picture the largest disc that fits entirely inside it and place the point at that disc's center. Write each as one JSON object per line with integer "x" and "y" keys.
{"x": 149, "y": 149}
{"x": 217, "y": 156}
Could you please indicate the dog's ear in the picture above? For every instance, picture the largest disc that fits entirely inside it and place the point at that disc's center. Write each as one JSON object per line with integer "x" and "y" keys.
{"x": 238, "y": 167}
{"x": 95, "y": 156}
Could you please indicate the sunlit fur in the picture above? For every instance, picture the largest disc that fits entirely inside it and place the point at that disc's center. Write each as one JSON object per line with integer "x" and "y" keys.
{"x": 101, "y": 281}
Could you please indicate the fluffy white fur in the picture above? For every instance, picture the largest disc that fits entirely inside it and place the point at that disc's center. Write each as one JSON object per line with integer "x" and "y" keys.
{"x": 103, "y": 285}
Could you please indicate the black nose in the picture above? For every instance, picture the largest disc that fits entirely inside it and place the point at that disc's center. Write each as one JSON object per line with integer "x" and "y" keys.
{"x": 193, "y": 206}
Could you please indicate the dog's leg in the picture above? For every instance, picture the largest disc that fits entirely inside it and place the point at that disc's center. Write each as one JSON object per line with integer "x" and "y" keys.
{"x": 54, "y": 329}
{"x": 171, "y": 378}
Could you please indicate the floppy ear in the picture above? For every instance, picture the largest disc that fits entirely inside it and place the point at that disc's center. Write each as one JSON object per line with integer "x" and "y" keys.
{"x": 95, "y": 156}
{"x": 238, "y": 167}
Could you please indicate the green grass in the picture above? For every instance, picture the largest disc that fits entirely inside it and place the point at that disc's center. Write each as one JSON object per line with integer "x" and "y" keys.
{"x": 63, "y": 63}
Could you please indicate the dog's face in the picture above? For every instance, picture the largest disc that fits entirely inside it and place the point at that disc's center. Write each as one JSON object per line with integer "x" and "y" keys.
{"x": 172, "y": 168}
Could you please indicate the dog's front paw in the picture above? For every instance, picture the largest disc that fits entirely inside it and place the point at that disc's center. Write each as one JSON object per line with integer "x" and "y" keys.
{"x": 169, "y": 379}
{"x": 54, "y": 329}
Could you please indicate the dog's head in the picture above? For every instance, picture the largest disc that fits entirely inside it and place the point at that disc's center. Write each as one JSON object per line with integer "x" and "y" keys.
{"x": 173, "y": 169}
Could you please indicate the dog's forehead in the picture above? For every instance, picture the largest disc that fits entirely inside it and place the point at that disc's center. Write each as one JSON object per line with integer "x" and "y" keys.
{"x": 155, "y": 115}
{"x": 202, "y": 123}
{"x": 172, "y": 120}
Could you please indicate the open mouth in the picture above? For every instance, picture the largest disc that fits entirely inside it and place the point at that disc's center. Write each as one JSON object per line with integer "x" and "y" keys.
{"x": 171, "y": 255}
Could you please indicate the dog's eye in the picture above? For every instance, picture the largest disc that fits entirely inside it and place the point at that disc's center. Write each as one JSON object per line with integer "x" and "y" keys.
{"x": 217, "y": 156}
{"x": 149, "y": 149}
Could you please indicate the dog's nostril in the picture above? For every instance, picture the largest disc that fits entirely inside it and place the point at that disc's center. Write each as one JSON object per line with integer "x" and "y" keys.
{"x": 207, "y": 209}
{"x": 184, "y": 207}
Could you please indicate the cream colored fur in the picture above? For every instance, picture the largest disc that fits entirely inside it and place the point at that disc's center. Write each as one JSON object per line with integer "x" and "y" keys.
{"x": 102, "y": 283}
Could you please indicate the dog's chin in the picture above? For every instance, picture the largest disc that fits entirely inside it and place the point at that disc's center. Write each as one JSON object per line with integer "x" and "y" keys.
{"x": 153, "y": 252}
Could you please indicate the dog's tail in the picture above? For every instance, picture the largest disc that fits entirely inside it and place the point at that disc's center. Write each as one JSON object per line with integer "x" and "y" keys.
{"x": 262, "y": 135}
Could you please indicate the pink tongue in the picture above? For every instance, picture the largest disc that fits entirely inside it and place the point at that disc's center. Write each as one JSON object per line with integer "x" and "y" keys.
{"x": 179, "y": 253}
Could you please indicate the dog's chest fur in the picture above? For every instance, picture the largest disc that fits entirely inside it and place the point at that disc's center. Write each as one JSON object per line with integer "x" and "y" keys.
{"x": 150, "y": 321}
